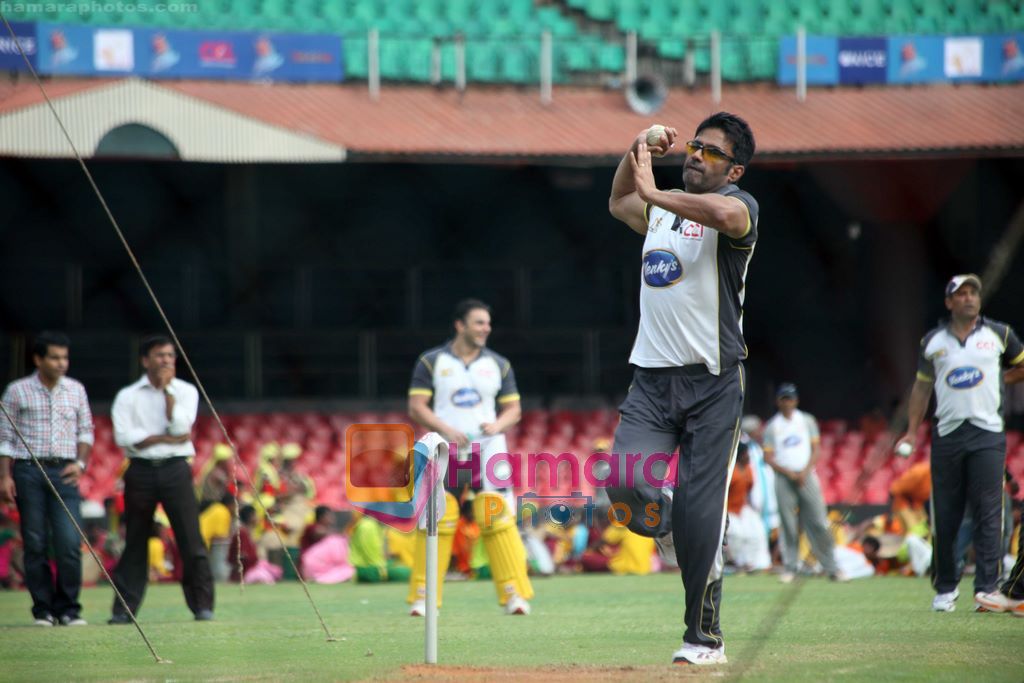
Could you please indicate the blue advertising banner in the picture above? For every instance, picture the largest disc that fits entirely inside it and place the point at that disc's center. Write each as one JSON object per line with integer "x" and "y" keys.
{"x": 154, "y": 53}
{"x": 916, "y": 59}
{"x": 822, "y": 67}
{"x": 862, "y": 60}
{"x": 1003, "y": 57}
{"x": 10, "y": 55}
{"x": 64, "y": 49}
{"x": 238, "y": 56}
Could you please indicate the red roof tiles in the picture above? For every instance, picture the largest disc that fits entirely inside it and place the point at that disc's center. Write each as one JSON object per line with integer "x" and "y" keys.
{"x": 488, "y": 122}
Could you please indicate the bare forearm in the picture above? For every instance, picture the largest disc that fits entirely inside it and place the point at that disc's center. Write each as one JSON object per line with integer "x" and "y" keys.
{"x": 710, "y": 209}
{"x": 161, "y": 438}
{"x": 1015, "y": 375}
{"x": 815, "y": 454}
{"x": 509, "y": 416}
{"x": 84, "y": 449}
{"x": 5, "y": 466}
{"x": 920, "y": 394}
{"x": 622, "y": 183}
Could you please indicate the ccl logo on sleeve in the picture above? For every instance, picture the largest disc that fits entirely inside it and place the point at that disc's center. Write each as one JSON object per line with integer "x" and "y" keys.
{"x": 965, "y": 377}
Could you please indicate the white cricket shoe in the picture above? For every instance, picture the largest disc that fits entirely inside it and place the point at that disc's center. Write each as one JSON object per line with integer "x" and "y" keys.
{"x": 701, "y": 655}
{"x": 418, "y": 608}
{"x": 998, "y": 602}
{"x": 787, "y": 577}
{"x": 516, "y": 605}
{"x": 945, "y": 602}
{"x": 45, "y": 620}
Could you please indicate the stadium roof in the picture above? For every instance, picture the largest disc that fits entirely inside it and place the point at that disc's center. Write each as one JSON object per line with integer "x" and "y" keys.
{"x": 418, "y": 123}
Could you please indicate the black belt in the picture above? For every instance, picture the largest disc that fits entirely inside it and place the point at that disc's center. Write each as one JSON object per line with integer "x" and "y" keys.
{"x": 159, "y": 462}
{"x": 48, "y": 462}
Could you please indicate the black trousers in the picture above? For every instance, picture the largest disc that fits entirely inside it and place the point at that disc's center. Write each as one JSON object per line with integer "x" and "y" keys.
{"x": 169, "y": 484}
{"x": 698, "y": 413}
{"x": 967, "y": 465}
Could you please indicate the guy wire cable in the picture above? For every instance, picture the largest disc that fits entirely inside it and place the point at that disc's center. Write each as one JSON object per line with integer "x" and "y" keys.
{"x": 85, "y": 539}
{"x": 163, "y": 316}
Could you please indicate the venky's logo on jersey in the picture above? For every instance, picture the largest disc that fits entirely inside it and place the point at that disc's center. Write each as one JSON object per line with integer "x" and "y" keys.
{"x": 791, "y": 440}
{"x": 466, "y": 397}
{"x": 965, "y": 377}
{"x": 662, "y": 268}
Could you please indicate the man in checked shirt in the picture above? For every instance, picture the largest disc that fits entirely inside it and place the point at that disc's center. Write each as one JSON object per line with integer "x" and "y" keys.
{"x": 52, "y": 413}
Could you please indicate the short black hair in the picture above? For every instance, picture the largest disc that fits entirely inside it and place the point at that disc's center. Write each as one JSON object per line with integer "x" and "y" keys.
{"x": 151, "y": 342}
{"x": 463, "y": 308}
{"x": 321, "y": 511}
{"x": 246, "y": 514}
{"x": 736, "y": 130}
{"x": 44, "y": 340}
{"x": 870, "y": 541}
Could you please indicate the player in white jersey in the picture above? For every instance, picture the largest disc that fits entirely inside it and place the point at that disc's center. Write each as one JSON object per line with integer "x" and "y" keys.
{"x": 467, "y": 393}
{"x": 791, "y": 449}
{"x": 963, "y": 361}
{"x": 687, "y": 389}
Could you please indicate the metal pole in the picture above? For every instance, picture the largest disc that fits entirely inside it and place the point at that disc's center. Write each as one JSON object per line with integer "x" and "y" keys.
{"x": 690, "y": 65}
{"x": 431, "y": 587}
{"x": 630, "y": 57}
{"x": 716, "y": 67}
{"x": 546, "y": 67}
{"x": 373, "y": 62}
{"x": 435, "y": 62}
{"x": 460, "y": 63}
{"x": 801, "y": 63}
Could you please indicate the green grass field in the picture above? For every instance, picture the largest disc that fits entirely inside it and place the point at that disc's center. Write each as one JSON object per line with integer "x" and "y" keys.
{"x": 603, "y": 627}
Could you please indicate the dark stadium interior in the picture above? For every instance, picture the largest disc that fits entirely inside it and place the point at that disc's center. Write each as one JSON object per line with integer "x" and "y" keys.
{"x": 324, "y": 281}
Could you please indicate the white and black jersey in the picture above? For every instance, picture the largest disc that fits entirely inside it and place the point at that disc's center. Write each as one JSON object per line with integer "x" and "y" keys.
{"x": 464, "y": 396}
{"x": 692, "y": 290}
{"x": 968, "y": 375}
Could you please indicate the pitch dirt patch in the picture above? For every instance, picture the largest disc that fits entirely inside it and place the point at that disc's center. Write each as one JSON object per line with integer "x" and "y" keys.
{"x": 556, "y": 674}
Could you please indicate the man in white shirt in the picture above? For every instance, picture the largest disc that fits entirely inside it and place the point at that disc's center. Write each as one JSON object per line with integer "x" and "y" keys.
{"x": 791, "y": 449}
{"x": 153, "y": 421}
{"x": 962, "y": 360}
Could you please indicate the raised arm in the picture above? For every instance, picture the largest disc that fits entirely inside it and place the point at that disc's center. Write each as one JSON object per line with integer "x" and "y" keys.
{"x": 624, "y": 202}
{"x": 727, "y": 215}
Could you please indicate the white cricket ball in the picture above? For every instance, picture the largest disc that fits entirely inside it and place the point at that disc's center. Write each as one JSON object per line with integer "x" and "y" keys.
{"x": 904, "y": 449}
{"x": 654, "y": 136}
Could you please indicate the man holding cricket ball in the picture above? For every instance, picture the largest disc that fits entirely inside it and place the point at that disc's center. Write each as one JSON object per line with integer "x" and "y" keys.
{"x": 962, "y": 360}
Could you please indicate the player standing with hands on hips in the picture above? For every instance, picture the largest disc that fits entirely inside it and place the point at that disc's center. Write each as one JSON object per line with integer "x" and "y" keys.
{"x": 688, "y": 384}
{"x": 962, "y": 360}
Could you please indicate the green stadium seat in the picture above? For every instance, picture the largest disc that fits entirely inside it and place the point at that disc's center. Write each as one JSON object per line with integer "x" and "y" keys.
{"x": 394, "y": 59}
{"x": 763, "y": 59}
{"x": 672, "y": 48}
{"x": 356, "y": 61}
{"x": 611, "y": 58}
{"x": 577, "y": 56}
{"x": 602, "y": 10}
{"x": 481, "y": 61}
{"x": 420, "y": 55}
{"x": 516, "y": 66}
